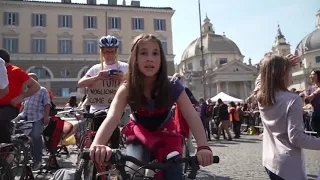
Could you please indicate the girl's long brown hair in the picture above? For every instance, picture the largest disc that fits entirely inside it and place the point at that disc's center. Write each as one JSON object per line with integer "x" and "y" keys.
{"x": 273, "y": 70}
{"x": 135, "y": 82}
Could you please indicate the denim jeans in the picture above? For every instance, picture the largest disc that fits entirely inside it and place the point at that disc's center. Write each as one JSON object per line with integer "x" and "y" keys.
{"x": 137, "y": 150}
{"x": 37, "y": 140}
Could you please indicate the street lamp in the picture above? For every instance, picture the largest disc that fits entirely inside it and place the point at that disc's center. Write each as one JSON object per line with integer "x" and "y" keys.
{"x": 202, "y": 56}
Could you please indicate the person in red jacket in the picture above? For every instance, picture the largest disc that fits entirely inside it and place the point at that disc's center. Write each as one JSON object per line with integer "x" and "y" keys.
{"x": 150, "y": 95}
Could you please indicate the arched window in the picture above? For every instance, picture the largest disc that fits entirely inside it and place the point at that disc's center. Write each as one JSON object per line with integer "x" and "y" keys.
{"x": 42, "y": 73}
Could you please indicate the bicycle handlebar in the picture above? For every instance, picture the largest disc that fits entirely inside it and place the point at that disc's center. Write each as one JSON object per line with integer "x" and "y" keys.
{"x": 120, "y": 158}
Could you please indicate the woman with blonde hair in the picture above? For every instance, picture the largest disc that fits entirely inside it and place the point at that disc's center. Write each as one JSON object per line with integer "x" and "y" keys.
{"x": 281, "y": 114}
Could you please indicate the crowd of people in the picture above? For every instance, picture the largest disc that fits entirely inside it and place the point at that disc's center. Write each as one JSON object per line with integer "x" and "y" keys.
{"x": 151, "y": 95}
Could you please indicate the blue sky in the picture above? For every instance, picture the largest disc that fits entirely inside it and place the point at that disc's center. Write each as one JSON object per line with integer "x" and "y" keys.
{"x": 251, "y": 24}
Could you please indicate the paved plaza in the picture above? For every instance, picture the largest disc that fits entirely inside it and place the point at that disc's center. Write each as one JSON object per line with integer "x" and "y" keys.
{"x": 239, "y": 160}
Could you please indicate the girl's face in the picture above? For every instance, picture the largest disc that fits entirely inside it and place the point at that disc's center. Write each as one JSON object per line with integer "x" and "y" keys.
{"x": 149, "y": 58}
{"x": 288, "y": 78}
{"x": 313, "y": 77}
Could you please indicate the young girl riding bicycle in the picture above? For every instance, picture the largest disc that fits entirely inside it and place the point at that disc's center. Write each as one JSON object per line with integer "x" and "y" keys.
{"x": 151, "y": 131}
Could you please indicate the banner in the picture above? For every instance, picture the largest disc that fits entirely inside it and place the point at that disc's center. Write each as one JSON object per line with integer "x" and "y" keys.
{"x": 102, "y": 92}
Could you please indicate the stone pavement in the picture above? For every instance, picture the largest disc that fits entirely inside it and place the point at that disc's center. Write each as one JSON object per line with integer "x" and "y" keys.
{"x": 239, "y": 160}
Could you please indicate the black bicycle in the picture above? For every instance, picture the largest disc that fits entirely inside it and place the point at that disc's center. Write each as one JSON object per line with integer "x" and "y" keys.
{"x": 119, "y": 159}
{"x": 5, "y": 161}
{"x": 84, "y": 167}
{"x": 22, "y": 148}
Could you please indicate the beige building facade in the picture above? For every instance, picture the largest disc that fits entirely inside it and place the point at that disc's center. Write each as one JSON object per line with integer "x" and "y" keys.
{"x": 58, "y": 40}
{"x": 224, "y": 67}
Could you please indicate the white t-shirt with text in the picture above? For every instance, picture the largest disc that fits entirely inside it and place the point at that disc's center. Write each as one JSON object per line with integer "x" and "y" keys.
{"x": 94, "y": 71}
{"x": 3, "y": 75}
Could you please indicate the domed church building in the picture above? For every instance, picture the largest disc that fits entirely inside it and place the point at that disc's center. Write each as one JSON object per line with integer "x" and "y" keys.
{"x": 224, "y": 67}
{"x": 309, "y": 50}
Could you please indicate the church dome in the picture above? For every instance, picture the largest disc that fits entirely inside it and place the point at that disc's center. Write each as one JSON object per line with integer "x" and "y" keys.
{"x": 311, "y": 42}
{"x": 212, "y": 43}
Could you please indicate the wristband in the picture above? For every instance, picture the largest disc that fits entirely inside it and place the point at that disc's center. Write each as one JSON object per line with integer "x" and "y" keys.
{"x": 203, "y": 147}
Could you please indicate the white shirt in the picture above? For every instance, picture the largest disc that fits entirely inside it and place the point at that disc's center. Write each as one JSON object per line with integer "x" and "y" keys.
{"x": 3, "y": 75}
{"x": 94, "y": 71}
{"x": 284, "y": 138}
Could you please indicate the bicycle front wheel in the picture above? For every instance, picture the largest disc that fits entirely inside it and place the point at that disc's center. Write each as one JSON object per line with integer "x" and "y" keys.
{"x": 20, "y": 161}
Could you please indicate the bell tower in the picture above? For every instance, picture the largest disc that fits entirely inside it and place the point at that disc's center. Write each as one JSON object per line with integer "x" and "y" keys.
{"x": 280, "y": 47}
{"x": 207, "y": 26}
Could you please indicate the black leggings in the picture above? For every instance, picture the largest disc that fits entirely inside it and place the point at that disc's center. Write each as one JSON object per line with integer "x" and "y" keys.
{"x": 315, "y": 123}
{"x": 273, "y": 176}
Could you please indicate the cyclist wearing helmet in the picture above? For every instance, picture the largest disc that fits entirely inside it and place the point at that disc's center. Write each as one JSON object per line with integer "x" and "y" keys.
{"x": 108, "y": 61}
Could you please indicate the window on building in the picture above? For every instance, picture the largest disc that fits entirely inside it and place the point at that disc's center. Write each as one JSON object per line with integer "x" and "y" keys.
{"x": 65, "y": 46}
{"x": 42, "y": 73}
{"x": 90, "y": 22}
{"x": 38, "y": 46}
{"x": 90, "y": 46}
{"x": 159, "y": 24}
{"x": 65, "y": 21}
{"x": 137, "y": 23}
{"x": 223, "y": 61}
{"x": 11, "y": 19}
{"x": 65, "y": 92}
{"x": 38, "y": 20}
{"x": 190, "y": 66}
{"x": 114, "y": 22}
{"x": 318, "y": 59}
{"x": 11, "y": 44}
{"x": 164, "y": 46}
{"x": 65, "y": 72}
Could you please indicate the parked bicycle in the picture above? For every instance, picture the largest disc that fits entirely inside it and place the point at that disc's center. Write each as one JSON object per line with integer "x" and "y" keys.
{"x": 22, "y": 148}
{"x": 6, "y": 158}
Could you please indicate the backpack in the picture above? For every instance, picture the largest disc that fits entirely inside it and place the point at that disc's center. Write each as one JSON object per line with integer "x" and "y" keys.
{"x": 209, "y": 111}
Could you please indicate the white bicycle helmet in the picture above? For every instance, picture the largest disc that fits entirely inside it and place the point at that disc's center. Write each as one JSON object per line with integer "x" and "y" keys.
{"x": 108, "y": 42}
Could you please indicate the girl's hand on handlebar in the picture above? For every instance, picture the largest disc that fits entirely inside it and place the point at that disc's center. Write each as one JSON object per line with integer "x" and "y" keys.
{"x": 100, "y": 153}
{"x": 204, "y": 157}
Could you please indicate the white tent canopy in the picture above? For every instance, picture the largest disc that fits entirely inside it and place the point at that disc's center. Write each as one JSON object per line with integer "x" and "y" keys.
{"x": 226, "y": 98}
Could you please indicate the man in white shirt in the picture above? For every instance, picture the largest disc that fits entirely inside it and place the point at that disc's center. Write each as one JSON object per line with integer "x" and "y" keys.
{"x": 4, "y": 88}
{"x": 109, "y": 50}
